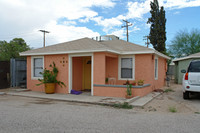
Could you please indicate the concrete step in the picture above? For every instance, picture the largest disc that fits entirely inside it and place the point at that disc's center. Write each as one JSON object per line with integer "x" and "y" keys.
{"x": 144, "y": 100}
{"x": 132, "y": 99}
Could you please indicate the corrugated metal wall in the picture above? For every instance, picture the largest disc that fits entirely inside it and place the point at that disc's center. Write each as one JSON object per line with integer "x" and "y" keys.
{"x": 18, "y": 72}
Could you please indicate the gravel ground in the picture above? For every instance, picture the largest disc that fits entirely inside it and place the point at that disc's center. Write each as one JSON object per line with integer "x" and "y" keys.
{"x": 27, "y": 115}
{"x": 174, "y": 99}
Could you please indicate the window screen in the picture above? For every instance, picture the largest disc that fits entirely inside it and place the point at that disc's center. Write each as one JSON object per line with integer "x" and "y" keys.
{"x": 38, "y": 67}
{"x": 126, "y": 68}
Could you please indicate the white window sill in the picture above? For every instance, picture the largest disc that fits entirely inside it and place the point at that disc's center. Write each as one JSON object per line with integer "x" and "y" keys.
{"x": 36, "y": 78}
{"x": 125, "y": 79}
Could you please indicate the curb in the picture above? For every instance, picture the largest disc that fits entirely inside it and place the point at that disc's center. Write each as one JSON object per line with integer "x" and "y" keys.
{"x": 132, "y": 99}
{"x": 2, "y": 93}
{"x": 64, "y": 100}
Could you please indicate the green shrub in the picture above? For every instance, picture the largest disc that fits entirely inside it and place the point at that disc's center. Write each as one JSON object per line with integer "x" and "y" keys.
{"x": 128, "y": 90}
{"x": 168, "y": 90}
{"x": 172, "y": 109}
{"x": 49, "y": 76}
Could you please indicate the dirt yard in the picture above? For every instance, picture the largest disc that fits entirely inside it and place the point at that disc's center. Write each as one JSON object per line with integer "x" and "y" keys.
{"x": 171, "y": 100}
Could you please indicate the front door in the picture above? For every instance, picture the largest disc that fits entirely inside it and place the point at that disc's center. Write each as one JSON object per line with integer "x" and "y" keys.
{"x": 87, "y": 73}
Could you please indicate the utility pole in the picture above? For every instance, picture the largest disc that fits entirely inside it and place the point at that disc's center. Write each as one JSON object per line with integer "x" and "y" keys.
{"x": 44, "y": 31}
{"x": 127, "y": 25}
{"x": 147, "y": 39}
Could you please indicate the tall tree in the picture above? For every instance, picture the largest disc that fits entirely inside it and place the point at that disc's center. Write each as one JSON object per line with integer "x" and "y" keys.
{"x": 12, "y": 49}
{"x": 185, "y": 43}
{"x": 157, "y": 33}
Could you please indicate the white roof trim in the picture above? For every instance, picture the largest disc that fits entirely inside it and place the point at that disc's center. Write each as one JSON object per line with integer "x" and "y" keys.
{"x": 87, "y": 51}
{"x": 184, "y": 58}
{"x": 147, "y": 52}
{"x": 162, "y": 55}
{"x": 66, "y": 52}
{"x": 138, "y": 52}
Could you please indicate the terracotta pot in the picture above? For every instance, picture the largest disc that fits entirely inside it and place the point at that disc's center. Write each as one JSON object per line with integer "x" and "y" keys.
{"x": 140, "y": 84}
{"x": 50, "y": 88}
{"x": 133, "y": 84}
{"x": 128, "y": 96}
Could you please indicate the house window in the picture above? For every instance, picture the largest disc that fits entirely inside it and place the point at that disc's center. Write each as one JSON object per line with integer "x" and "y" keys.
{"x": 156, "y": 68}
{"x": 37, "y": 67}
{"x": 126, "y": 67}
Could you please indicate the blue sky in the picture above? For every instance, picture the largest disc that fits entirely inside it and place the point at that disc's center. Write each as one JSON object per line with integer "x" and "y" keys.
{"x": 69, "y": 20}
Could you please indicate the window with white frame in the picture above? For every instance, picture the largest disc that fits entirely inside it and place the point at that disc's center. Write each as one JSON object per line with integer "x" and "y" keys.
{"x": 126, "y": 67}
{"x": 156, "y": 68}
{"x": 37, "y": 66}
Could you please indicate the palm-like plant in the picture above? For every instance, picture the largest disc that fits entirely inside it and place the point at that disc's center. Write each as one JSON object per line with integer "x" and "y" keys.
{"x": 49, "y": 76}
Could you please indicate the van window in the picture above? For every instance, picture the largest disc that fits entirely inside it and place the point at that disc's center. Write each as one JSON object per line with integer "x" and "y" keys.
{"x": 194, "y": 67}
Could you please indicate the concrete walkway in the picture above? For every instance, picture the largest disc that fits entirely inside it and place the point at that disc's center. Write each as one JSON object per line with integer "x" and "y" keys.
{"x": 136, "y": 101}
{"x": 144, "y": 100}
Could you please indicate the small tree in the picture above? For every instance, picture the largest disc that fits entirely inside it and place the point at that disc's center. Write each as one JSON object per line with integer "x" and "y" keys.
{"x": 12, "y": 49}
{"x": 157, "y": 33}
{"x": 185, "y": 43}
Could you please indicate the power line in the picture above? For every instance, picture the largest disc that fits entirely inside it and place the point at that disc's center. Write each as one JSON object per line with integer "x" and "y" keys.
{"x": 127, "y": 25}
{"x": 44, "y": 31}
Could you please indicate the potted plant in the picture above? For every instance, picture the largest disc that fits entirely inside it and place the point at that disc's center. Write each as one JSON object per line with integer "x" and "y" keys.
{"x": 140, "y": 82}
{"x": 134, "y": 83}
{"x": 49, "y": 79}
{"x": 129, "y": 91}
{"x": 127, "y": 82}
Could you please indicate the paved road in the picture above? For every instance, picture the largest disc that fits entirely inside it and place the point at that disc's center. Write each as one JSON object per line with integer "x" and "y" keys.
{"x": 27, "y": 115}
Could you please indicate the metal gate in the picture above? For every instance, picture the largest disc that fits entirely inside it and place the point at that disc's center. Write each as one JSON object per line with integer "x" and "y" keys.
{"x": 18, "y": 72}
{"x": 4, "y": 74}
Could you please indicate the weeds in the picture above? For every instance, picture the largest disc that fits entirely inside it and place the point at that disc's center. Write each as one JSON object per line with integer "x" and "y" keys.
{"x": 197, "y": 112}
{"x": 124, "y": 105}
{"x": 172, "y": 109}
{"x": 168, "y": 90}
{"x": 150, "y": 108}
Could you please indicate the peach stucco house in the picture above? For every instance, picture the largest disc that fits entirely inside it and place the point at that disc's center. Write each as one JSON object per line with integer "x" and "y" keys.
{"x": 84, "y": 64}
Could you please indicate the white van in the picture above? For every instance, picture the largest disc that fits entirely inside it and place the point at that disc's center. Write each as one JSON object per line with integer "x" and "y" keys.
{"x": 191, "y": 79}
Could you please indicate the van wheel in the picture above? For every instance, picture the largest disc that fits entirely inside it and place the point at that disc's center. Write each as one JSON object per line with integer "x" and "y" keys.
{"x": 186, "y": 95}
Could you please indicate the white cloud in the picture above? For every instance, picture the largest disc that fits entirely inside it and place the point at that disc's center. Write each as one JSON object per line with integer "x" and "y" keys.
{"x": 25, "y": 15}
{"x": 102, "y": 3}
{"x": 176, "y": 4}
{"x": 120, "y": 33}
{"x": 135, "y": 28}
{"x": 14, "y": 2}
{"x": 109, "y": 24}
{"x": 177, "y": 12}
{"x": 61, "y": 33}
{"x": 138, "y": 9}
{"x": 69, "y": 22}
{"x": 28, "y": 16}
